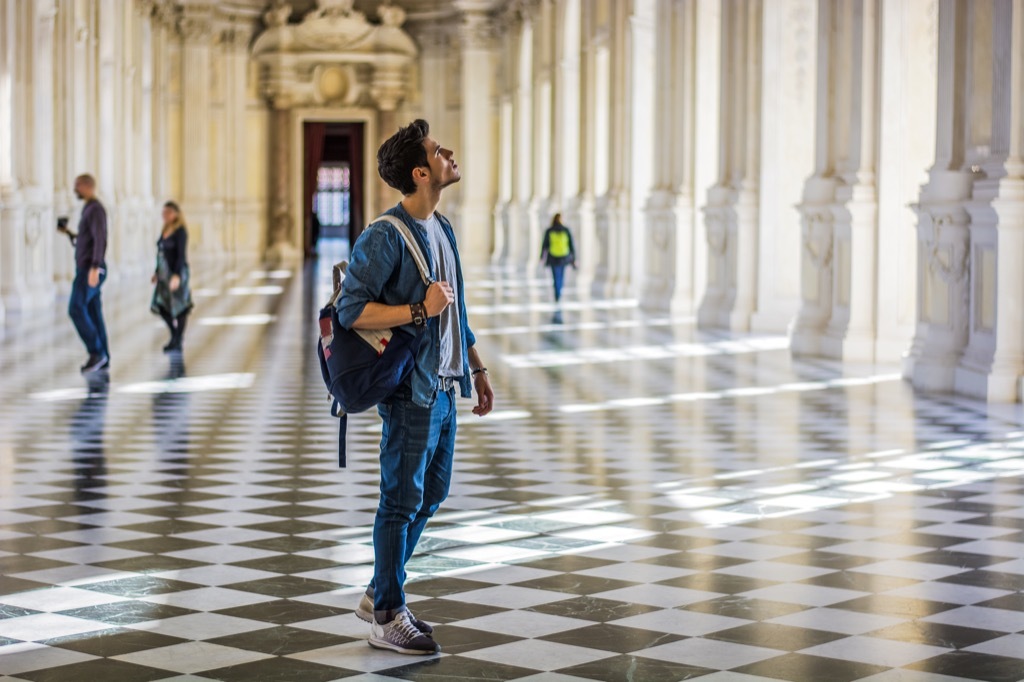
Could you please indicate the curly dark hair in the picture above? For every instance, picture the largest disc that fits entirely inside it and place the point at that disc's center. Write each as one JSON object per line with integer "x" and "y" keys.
{"x": 401, "y": 153}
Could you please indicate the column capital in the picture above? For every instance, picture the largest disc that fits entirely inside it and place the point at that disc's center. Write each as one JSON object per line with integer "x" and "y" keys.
{"x": 477, "y": 30}
{"x": 433, "y": 37}
{"x": 196, "y": 23}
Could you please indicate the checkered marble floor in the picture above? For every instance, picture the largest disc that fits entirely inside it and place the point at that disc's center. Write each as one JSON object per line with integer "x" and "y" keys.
{"x": 648, "y": 503}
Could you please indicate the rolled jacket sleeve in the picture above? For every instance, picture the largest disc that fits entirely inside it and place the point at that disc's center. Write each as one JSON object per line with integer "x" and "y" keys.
{"x": 98, "y": 227}
{"x": 373, "y": 261}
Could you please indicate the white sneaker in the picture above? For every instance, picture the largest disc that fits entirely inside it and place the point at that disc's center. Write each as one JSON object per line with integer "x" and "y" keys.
{"x": 365, "y": 613}
{"x": 403, "y": 636}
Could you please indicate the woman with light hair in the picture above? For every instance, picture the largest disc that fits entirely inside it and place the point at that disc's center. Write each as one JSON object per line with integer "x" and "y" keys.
{"x": 172, "y": 297}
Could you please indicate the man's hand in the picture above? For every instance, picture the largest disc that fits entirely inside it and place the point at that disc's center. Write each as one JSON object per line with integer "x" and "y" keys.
{"x": 175, "y": 282}
{"x": 439, "y": 297}
{"x": 484, "y": 393}
{"x": 94, "y": 277}
{"x": 152, "y": 280}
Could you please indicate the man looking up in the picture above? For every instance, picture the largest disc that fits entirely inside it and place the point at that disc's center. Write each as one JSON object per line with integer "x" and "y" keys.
{"x": 383, "y": 289}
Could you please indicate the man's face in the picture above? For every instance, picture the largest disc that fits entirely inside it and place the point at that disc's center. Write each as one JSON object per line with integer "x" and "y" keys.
{"x": 82, "y": 189}
{"x": 443, "y": 169}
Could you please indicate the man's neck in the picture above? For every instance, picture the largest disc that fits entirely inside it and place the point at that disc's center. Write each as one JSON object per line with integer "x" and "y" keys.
{"x": 422, "y": 204}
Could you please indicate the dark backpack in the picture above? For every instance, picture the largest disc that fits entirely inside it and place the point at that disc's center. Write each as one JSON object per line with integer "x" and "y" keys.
{"x": 362, "y": 368}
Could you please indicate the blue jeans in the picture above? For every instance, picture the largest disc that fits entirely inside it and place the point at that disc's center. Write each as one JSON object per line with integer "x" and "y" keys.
{"x": 85, "y": 308}
{"x": 558, "y": 273}
{"x": 416, "y": 453}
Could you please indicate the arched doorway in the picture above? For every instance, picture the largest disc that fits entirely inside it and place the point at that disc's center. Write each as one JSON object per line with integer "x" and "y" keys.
{"x": 333, "y": 182}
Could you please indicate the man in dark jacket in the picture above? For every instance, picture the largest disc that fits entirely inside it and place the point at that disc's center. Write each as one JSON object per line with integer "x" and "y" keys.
{"x": 85, "y": 307}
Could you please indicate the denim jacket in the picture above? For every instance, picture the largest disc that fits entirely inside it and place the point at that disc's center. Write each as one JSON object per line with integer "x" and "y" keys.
{"x": 382, "y": 270}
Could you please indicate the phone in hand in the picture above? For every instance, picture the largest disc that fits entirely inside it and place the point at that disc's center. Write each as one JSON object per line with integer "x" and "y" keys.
{"x": 62, "y": 224}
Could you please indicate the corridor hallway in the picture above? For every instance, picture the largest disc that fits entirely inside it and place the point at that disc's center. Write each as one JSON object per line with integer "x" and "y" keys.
{"x": 648, "y": 502}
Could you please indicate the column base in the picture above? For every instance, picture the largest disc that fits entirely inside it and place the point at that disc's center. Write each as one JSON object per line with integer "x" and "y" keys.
{"x": 281, "y": 254}
{"x": 770, "y": 322}
{"x": 931, "y": 370}
{"x": 851, "y": 347}
{"x": 476, "y": 226}
{"x": 996, "y": 384}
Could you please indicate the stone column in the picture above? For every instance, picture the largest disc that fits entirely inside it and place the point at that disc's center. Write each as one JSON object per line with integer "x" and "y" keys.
{"x": 280, "y": 246}
{"x": 39, "y": 234}
{"x": 943, "y": 269}
{"x": 731, "y": 214}
{"x": 26, "y": 154}
{"x": 641, "y": 89}
{"x": 993, "y": 362}
{"x": 816, "y": 219}
{"x": 673, "y": 123}
{"x": 478, "y": 147}
{"x": 522, "y": 156}
{"x": 196, "y": 27}
{"x": 906, "y": 141}
{"x": 851, "y": 331}
{"x": 500, "y": 253}
{"x": 612, "y": 207}
{"x": 109, "y": 126}
{"x": 242, "y": 241}
{"x": 11, "y": 213}
{"x": 580, "y": 211}
{"x": 542, "y": 82}
{"x": 787, "y": 156}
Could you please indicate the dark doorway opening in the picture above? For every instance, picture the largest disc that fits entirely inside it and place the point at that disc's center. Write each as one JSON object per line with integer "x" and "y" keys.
{"x": 333, "y": 184}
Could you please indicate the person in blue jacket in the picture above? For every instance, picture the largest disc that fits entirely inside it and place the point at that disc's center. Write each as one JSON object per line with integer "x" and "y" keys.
{"x": 383, "y": 289}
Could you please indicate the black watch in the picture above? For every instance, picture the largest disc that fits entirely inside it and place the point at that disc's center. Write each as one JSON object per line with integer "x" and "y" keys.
{"x": 419, "y": 314}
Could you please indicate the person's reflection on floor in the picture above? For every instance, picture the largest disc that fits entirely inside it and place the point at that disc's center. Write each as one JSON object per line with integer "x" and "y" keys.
{"x": 87, "y": 427}
{"x": 170, "y": 414}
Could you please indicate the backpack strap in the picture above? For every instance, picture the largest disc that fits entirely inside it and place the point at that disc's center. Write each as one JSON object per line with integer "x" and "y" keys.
{"x": 411, "y": 244}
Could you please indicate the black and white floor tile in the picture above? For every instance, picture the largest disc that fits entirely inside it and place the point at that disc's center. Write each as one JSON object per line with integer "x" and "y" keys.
{"x": 648, "y": 503}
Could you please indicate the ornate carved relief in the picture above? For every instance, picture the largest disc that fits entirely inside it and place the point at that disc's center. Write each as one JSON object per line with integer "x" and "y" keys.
{"x": 335, "y": 56}
{"x": 818, "y": 238}
{"x": 33, "y": 227}
{"x": 946, "y": 258}
{"x": 717, "y": 233}
{"x": 277, "y": 15}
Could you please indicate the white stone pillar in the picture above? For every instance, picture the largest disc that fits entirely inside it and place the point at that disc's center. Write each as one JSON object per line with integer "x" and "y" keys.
{"x": 109, "y": 130}
{"x": 243, "y": 235}
{"x": 478, "y": 147}
{"x": 731, "y": 214}
{"x": 580, "y": 212}
{"x": 642, "y": 90}
{"x": 851, "y": 330}
{"x": 9, "y": 194}
{"x": 673, "y": 123}
{"x": 613, "y": 206}
{"x": 943, "y": 239}
{"x": 787, "y": 156}
{"x": 906, "y": 146}
{"x": 26, "y": 154}
{"x": 522, "y": 157}
{"x": 280, "y": 247}
{"x": 196, "y": 27}
{"x": 39, "y": 243}
{"x": 993, "y": 362}
{"x": 500, "y": 254}
{"x": 817, "y": 241}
